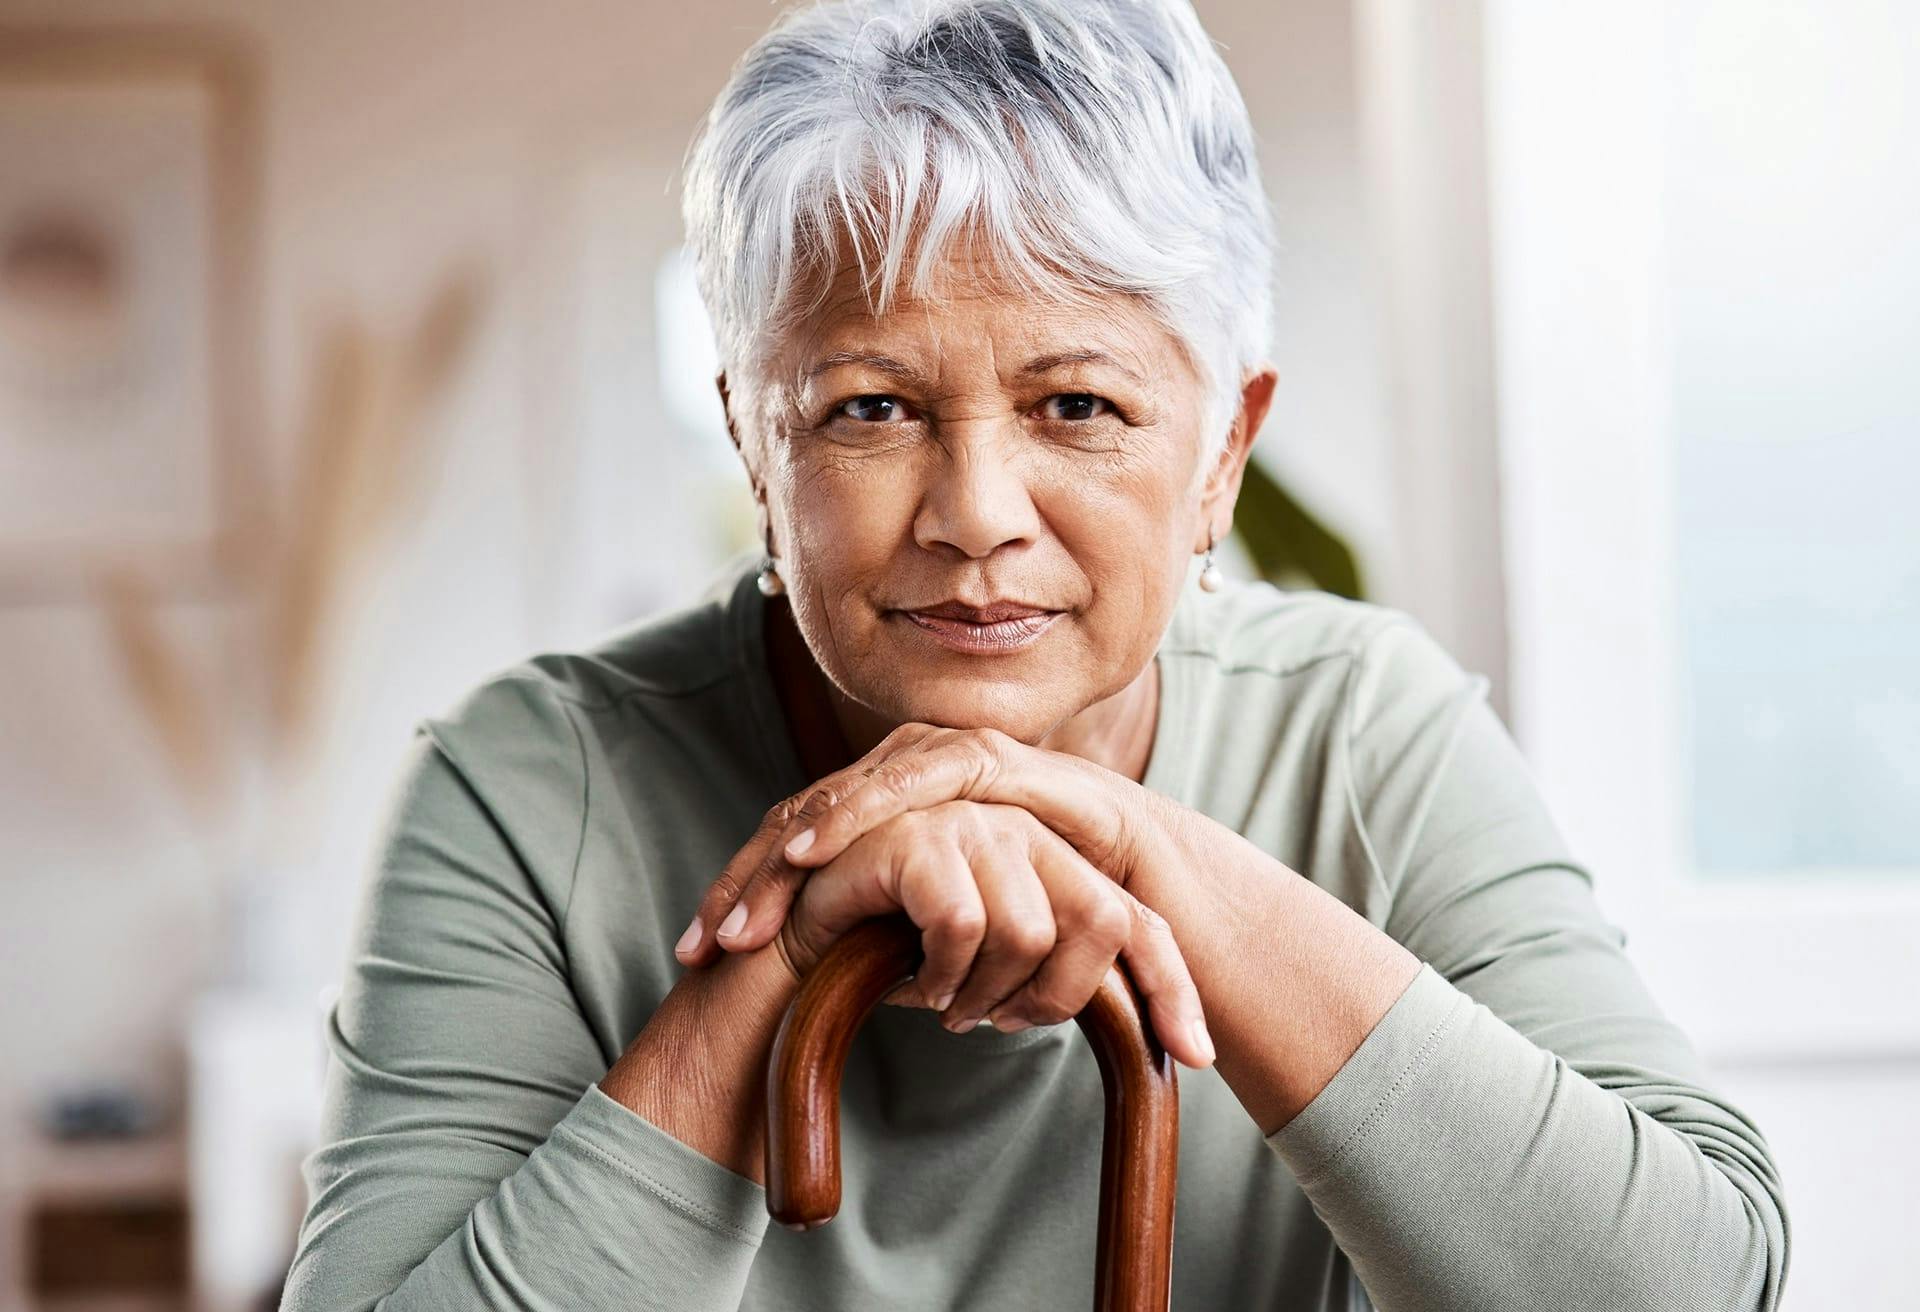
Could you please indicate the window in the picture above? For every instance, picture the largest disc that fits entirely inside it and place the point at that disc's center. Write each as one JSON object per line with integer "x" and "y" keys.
{"x": 1704, "y": 281}
{"x": 1792, "y": 275}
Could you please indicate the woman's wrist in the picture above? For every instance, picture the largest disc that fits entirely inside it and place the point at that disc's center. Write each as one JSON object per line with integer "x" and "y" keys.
{"x": 1291, "y": 977}
{"x": 697, "y": 1070}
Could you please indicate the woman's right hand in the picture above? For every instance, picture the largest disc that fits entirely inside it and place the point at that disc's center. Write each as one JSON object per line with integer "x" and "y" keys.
{"x": 1015, "y": 923}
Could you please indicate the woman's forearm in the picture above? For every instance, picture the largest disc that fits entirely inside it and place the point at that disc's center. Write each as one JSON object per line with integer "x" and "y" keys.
{"x": 1457, "y": 1161}
{"x": 1292, "y": 979}
{"x": 697, "y": 1070}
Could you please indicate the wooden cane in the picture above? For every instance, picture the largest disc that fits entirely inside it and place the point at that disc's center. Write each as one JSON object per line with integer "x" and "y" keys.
{"x": 1140, "y": 1156}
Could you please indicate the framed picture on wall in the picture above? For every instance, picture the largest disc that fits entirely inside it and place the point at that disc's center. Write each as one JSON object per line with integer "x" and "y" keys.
{"x": 127, "y": 369}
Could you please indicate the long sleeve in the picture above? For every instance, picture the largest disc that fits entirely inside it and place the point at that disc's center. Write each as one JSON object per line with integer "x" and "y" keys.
{"x": 1523, "y": 1129}
{"x": 467, "y": 1157}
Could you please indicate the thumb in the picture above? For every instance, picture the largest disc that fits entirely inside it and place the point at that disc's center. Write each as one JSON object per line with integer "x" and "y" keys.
{"x": 847, "y": 890}
{"x": 803, "y": 937}
{"x": 905, "y": 994}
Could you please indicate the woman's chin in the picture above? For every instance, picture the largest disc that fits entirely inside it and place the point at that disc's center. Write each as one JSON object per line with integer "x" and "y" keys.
{"x": 948, "y": 701}
{"x": 927, "y": 682}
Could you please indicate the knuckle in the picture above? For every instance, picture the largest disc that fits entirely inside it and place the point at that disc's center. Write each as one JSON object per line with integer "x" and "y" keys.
{"x": 909, "y": 731}
{"x": 768, "y": 882}
{"x": 992, "y": 747}
{"x": 1111, "y": 921}
{"x": 962, "y": 824}
{"x": 814, "y": 805}
{"x": 1149, "y": 921}
{"x": 1029, "y": 937}
{"x": 1045, "y": 1009}
{"x": 893, "y": 776}
{"x": 772, "y": 868}
{"x": 983, "y": 738}
{"x": 959, "y": 922}
{"x": 915, "y": 826}
{"x": 1027, "y": 831}
{"x": 726, "y": 888}
{"x": 1000, "y": 832}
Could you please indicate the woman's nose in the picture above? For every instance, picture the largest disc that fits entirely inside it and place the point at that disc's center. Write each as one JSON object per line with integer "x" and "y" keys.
{"x": 976, "y": 497}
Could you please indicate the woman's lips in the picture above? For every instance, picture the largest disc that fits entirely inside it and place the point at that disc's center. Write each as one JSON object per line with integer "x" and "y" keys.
{"x": 983, "y": 639}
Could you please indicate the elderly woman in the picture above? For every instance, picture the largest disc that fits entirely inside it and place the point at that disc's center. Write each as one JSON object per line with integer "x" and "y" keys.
{"x": 991, "y": 286}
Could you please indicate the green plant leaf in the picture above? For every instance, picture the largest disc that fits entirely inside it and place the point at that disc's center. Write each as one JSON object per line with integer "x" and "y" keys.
{"x": 1287, "y": 543}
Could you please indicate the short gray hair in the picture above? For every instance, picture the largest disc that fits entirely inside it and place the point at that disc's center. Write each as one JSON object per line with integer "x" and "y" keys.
{"x": 1100, "y": 145}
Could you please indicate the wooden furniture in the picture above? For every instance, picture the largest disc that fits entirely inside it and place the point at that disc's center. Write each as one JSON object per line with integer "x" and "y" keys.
{"x": 92, "y": 1225}
{"x": 1140, "y": 1159}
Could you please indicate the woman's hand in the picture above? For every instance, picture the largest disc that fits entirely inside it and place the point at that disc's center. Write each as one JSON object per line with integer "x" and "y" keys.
{"x": 1015, "y": 924}
{"x": 761, "y": 864}
{"x": 1118, "y": 826}
{"x": 750, "y": 899}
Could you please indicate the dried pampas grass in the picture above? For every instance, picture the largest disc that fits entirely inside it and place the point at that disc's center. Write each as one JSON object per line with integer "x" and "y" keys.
{"x": 360, "y": 462}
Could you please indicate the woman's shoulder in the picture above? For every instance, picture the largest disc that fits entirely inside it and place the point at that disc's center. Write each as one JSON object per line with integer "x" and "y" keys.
{"x": 1287, "y": 655}
{"x": 1254, "y": 625}
{"x": 669, "y": 653}
{"x": 535, "y": 716}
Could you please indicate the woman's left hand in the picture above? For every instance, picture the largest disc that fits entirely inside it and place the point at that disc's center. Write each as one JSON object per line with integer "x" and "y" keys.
{"x": 1120, "y": 827}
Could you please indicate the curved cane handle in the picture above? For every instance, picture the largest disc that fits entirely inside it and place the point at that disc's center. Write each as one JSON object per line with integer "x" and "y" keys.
{"x": 1141, "y": 1154}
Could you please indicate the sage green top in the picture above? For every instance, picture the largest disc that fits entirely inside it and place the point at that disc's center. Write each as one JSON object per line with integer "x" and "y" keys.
{"x": 1522, "y": 1130}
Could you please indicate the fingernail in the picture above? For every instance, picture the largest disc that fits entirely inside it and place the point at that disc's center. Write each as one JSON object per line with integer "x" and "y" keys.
{"x": 800, "y": 842}
{"x": 1012, "y": 1025}
{"x": 736, "y": 921}
{"x": 945, "y": 1000}
{"x": 689, "y": 940}
{"x": 965, "y": 1025}
{"x": 1201, "y": 1039}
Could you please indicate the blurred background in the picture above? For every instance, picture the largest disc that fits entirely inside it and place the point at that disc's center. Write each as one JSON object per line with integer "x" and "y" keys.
{"x": 347, "y": 355}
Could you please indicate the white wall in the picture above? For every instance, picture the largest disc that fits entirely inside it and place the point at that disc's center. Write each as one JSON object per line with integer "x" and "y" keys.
{"x": 1843, "y": 1135}
{"x": 1796, "y": 985}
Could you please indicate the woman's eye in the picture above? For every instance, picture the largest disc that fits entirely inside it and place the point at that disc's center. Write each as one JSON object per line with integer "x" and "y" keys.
{"x": 1076, "y": 406}
{"x": 873, "y": 409}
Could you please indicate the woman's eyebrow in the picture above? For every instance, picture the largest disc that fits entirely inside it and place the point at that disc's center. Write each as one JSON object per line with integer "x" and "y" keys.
{"x": 1040, "y": 364}
{"x": 884, "y": 363}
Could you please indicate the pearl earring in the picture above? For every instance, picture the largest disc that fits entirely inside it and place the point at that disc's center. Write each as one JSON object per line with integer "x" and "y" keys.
{"x": 1210, "y": 576}
{"x": 771, "y": 584}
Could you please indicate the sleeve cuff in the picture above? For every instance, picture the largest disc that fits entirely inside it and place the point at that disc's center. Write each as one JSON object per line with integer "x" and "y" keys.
{"x": 1388, "y": 1062}
{"x": 605, "y": 1135}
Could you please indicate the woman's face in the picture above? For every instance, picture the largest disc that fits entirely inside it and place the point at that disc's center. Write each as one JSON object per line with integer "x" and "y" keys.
{"x": 984, "y": 448}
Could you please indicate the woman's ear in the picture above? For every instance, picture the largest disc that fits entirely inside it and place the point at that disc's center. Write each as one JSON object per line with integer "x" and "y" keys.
{"x": 1222, "y": 489}
{"x": 763, "y": 513}
{"x": 733, "y": 430}
{"x": 726, "y": 408}
{"x": 1256, "y": 395}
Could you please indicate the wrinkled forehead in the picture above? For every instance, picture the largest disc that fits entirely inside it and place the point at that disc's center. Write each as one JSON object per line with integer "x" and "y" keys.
{"x": 967, "y": 293}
